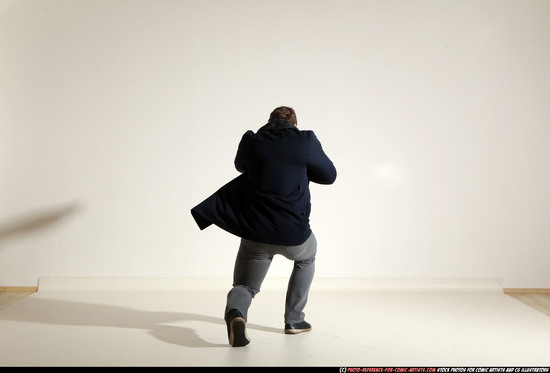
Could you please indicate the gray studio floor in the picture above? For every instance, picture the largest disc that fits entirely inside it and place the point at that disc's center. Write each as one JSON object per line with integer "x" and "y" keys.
{"x": 352, "y": 326}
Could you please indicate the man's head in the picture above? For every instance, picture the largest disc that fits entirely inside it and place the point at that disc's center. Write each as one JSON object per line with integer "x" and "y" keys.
{"x": 285, "y": 113}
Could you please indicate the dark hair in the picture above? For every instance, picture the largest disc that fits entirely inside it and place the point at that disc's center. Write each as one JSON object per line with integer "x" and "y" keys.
{"x": 285, "y": 113}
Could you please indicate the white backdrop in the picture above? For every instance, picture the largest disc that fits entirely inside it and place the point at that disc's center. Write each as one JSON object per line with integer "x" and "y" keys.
{"x": 118, "y": 116}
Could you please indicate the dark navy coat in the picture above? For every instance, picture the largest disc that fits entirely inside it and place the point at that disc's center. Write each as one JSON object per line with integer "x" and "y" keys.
{"x": 270, "y": 201}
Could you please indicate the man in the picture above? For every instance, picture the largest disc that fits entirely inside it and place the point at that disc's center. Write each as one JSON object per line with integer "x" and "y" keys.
{"x": 268, "y": 206}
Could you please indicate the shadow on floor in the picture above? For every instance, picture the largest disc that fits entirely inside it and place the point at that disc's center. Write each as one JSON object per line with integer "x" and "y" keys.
{"x": 62, "y": 312}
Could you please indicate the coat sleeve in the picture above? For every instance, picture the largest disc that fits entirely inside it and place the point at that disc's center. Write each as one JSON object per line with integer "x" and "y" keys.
{"x": 320, "y": 168}
{"x": 242, "y": 153}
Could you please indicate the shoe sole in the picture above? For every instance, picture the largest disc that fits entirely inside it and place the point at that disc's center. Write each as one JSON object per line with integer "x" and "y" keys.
{"x": 238, "y": 336}
{"x": 297, "y": 331}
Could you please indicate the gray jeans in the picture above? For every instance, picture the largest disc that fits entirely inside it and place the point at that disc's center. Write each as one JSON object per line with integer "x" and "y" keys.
{"x": 251, "y": 266}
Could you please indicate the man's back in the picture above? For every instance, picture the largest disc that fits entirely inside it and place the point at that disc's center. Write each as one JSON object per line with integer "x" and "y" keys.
{"x": 270, "y": 201}
{"x": 278, "y": 165}
{"x": 275, "y": 161}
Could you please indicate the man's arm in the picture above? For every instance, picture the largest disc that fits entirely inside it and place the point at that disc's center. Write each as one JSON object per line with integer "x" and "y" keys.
{"x": 241, "y": 157}
{"x": 320, "y": 168}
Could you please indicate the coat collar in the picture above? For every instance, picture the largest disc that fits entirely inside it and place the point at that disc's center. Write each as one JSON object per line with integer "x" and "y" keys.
{"x": 276, "y": 124}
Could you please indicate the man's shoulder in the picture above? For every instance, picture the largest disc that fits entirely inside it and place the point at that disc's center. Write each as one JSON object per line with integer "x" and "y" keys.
{"x": 279, "y": 134}
{"x": 309, "y": 134}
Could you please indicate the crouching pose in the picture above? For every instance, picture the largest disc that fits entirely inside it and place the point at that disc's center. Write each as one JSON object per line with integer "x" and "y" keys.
{"x": 268, "y": 207}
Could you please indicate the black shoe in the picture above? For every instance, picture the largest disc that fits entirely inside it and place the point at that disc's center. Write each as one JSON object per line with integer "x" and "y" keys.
{"x": 297, "y": 328}
{"x": 236, "y": 329}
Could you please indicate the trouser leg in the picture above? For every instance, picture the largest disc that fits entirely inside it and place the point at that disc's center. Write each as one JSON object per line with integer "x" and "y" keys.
{"x": 300, "y": 281}
{"x": 248, "y": 275}
{"x": 298, "y": 290}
